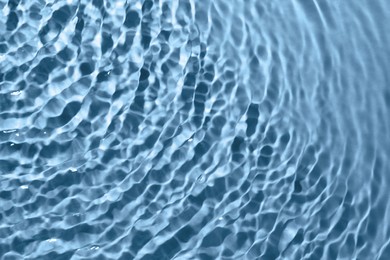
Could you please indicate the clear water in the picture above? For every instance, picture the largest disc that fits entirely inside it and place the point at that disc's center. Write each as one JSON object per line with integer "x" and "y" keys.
{"x": 186, "y": 129}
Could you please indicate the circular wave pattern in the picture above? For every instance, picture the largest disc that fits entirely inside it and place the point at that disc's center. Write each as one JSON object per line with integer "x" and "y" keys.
{"x": 194, "y": 129}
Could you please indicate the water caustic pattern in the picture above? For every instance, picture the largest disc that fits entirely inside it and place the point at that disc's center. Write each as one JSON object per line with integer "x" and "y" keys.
{"x": 194, "y": 129}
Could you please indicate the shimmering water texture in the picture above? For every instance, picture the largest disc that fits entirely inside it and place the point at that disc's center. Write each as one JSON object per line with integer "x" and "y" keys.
{"x": 183, "y": 129}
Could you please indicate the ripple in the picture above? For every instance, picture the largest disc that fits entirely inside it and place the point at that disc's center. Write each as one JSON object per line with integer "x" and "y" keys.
{"x": 194, "y": 130}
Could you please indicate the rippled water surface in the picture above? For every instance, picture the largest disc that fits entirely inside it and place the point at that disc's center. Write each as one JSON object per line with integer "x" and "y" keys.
{"x": 194, "y": 129}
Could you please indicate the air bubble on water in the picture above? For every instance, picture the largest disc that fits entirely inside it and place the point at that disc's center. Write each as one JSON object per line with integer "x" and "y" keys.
{"x": 73, "y": 169}
{"x": 190, "y": 140}
{"x": 94, "y": 248}
{"x": 24, "y": 187}
{"x": 12, "y": 144}
{"x": 202, "y": 178}
{"x": 52, "y": 240}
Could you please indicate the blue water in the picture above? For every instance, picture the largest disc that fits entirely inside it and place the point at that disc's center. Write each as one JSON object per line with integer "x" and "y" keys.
{"x": 194, "y": 129}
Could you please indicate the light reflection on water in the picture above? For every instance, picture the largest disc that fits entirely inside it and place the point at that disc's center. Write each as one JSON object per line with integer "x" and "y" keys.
{"x": 194, "y": 129}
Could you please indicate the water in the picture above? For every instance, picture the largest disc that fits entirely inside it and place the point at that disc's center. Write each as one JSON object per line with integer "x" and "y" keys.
{"x": 194, "y": 129}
